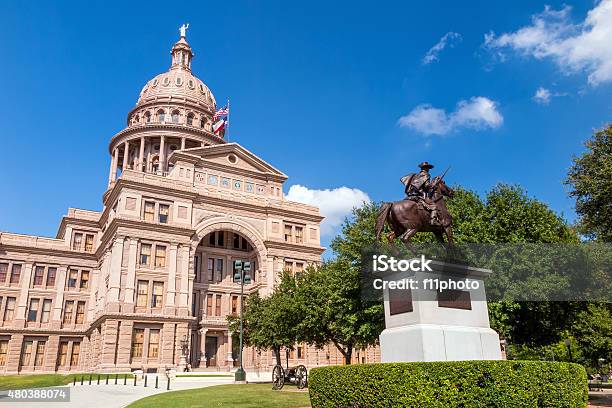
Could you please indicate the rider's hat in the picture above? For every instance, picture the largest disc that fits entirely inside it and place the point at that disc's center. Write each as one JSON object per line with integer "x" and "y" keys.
{"x": 426, "y": 166}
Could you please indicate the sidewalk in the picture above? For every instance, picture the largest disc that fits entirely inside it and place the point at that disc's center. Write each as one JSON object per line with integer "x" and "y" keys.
{"x": 115, "y": 396}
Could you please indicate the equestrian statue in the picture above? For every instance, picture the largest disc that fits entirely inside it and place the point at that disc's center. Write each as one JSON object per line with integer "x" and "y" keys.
{"x": 423, "y": 209}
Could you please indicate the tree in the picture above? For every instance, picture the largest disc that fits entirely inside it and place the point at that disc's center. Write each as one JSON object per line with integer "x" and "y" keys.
{"x": 591, "y": 331}
{"x": 590, "y": 180}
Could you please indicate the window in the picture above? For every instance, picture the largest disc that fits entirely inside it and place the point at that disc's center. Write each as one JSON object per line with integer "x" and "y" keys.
{"x": 46, "y": 311}
{"x": 202, "y": 123}
{"x": 76, "y": 241}
{"x": 68, "y": 306}
{"x": 153, "y": 343}
{"x": 33, "y": 310}
{"x": 72, "y": 278}
{"x": 160, "y": 256}
{"x": 26, "y": 353}
{"x": 300, "y": 352}
{"x": 220, "y": 238}
{"x": 142, "y": 295}
{"x": 3, "y": 271}
{"x": 209, "y": 302}
{"x": 149, "y": 211}
{"x": 40, "y": 353}
{"x": 164, "y": 210}
{"x": 219, "y": 269}
{"x": 137, "y": 342}
{"x": 9, "y": 309}
{"x": 158, "y": 294}
{"x": 3, "y": 351}
{"x": 161, "y": 115}
{"x": 39, "y": 272}
{"x": 288, "y": 233}
{"x": 190, "y": 119}
{"x": 76, "y": 350}
{"x": 62, "y": 354}
{"x": 288, "y": 266}
{"x": 196, "y": 268}
{"x": 84, "y": 280}
{"x": 175, "y": 117}
{"x": 51, "y": 272}
{"x": 15, "y": 273}
{"x": 80, "y": 312}
{"x": 299, "y": 235}
{"x": 234, "y": 305}
{"x": 145, "y": 254}
{"x": 211, "y": 270}
{"x": 236, "y": 241}
{"x": 299, "y": 268}
{"x": 89, "y": 243}
{"x": 218, "y": 305}
{"x": 147, "y": 117}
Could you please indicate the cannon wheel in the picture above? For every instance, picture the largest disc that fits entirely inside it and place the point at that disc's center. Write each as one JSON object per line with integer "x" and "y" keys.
{"x": 278, "y": 377}
{"x": 301, "y": 376}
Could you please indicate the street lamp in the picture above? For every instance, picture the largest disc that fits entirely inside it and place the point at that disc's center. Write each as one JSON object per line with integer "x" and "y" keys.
{"x": 242, "y": 276}
{"x": 568, "y": 343}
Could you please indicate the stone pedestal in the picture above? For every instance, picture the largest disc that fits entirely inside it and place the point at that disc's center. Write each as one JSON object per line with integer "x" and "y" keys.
{"x": 427, "y": 325}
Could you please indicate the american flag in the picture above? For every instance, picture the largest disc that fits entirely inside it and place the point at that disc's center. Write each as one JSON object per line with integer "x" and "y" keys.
{"x": 221, "y": 112}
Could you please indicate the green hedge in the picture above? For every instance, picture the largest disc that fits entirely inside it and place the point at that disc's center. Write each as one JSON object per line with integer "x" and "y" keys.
{"x": 450, "y": 384}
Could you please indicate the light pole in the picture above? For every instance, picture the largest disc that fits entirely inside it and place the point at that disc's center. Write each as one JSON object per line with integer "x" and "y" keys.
{"x": 242, "y": 276}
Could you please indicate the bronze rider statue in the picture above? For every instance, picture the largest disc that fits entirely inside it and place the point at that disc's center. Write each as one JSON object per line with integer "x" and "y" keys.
{"x": 418, "y": 189}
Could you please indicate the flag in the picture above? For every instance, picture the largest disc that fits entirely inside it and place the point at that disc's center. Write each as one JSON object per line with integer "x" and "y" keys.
{"x": 221, "y": 112}
{"x": 219, "y": 127}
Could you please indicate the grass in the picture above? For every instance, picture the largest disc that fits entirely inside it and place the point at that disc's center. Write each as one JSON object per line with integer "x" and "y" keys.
{"x": 15, "y": 382}
{"x": 231, "y": 395}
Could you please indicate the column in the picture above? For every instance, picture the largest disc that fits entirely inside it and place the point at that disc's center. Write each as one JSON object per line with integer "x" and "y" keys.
{"x": 22, "y": 303}
{"x": 170, "y": 293}
{"x": 182, "y": 143}
{"x": 114, "y": 161}
{"x": 141, "y": 161}
{"x": 128, "y": 299}
{"x": 230, "y": 359}
{"x": 184, "y": 273}
{"x": 94, "y": 282}
{"x": 115, "y": 274}
{"x": 162, "y": 154}
{"x": 60, "y": 283}
{"x": 126, "y": 154}
{"x": 203, "y": 347}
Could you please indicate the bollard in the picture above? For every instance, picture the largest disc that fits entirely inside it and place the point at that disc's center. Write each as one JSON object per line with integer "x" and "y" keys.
{"x": 106, "y": 379}
{"x": 116, "y": 375}
{"x": 168, "y": 385}
{"x": 81, "y": 380}
{"x": 74, "y": 381}
{"x": 146, "y": 380}
{"x": 156, "y": 382}
{"x": 134, "y": 380}
{"x": 89, "y": 379}
{"x": 98, "y": 379}
{"x": 125, "y": 380}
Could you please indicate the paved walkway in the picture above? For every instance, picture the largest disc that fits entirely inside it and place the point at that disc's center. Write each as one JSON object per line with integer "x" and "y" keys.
{"x": 115, "y": 396}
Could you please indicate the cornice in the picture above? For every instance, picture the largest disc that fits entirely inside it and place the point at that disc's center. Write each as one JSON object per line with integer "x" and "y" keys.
{"x": 294, "y": 247}
{"x": 140, "y": 317}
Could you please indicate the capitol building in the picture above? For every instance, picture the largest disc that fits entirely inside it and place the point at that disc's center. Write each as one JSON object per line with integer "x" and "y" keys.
{"x": 150, "y": 277}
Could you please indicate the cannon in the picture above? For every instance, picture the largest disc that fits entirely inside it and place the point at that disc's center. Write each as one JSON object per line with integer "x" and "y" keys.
{"x": 297, "y": 375}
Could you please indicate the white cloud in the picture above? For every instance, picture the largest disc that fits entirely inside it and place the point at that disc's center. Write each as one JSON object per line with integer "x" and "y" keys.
{"x": 335, "y": 204}
{"x": 477, "y": 113}
{"x": 573, "y": 47}
{"x": 542, "y": 96}
{"x": 449, "y": 39}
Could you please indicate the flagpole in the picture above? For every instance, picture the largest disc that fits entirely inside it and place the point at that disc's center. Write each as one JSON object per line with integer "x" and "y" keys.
{"x": 228, "y": 120}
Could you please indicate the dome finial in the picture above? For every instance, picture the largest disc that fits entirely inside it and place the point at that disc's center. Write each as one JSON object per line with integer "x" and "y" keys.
{"x": 183, "y": 30}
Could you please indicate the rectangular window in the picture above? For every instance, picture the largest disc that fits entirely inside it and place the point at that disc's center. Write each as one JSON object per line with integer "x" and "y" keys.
{"x": 72, "y": 278}
{"x": 80, "y": 312}
{"x": 39, "y": 272}
{"x": 196, "y": 267}
{"x": 145, "y": 254}
{"x": 142, "y": 295}
{"x": 158, "y": 294}
{"x": 9, "y": 310}
{"x": 219, "y": 271}
{"x": 164, "y": 212}
{"x": 68, "y": 306}
{"x": 51, "y": 272}
{"x": 15, "y": 273}
{"x": 137, "y": 342}
{"x": 3, "y": 272}
{"x": 26, "y": 353}
{"x": 40, "y": 354}
{"x": 300, "y": 352}
{"x": 299, "y": 235}
{"x": 62, "y": 354}
{"x": 33, "y": 310}
{"x": 84, "y": 280}
{"x": 234, "y": 305}
{"x": 89, "y": 238}
{"x": 211, "y": 270}
{"x": 46, "y": 311}
{"x": 299, "y": 268}
{"x": 149, "y": 211}
{"x": 160, "y": 256}
{"x": 3, "y": 352}
{"x": 288, "y": 233}
{"x": 209, "y": 304}
{"x": 288, "y": 266}
{"x": 218, "y": 306}
{"x": 76, "y": 241}
{"x": 76, "y": 350}
{"x": 153, "y": 343}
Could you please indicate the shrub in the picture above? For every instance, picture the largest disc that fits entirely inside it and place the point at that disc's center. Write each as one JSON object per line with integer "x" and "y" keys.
{"x": 450, "y": 384}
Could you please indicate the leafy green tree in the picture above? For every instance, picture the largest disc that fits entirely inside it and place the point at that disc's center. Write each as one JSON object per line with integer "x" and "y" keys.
{"x": 590, "y": 180}
{"x": 592, "y": 332}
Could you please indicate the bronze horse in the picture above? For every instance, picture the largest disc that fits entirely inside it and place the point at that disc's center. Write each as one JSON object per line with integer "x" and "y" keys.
{"x": 406, "y": 217}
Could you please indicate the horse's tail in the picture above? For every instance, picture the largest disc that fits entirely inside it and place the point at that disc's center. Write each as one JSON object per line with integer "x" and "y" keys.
{"x": 381, "y": 218}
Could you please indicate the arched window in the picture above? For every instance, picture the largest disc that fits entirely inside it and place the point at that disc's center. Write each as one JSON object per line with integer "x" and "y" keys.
{"x": 136, "y": 119}
{"x": 190, "y": 119}
{"x": 175, "y": 117}
{"x": 161, "y": 115}
{"x": 155, "y": 164}
{"x": 147, "y": 117}
{"x": 202, "y": 123}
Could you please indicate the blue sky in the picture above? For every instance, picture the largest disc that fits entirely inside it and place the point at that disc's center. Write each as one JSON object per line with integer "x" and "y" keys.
{"x": 318, "y": 89}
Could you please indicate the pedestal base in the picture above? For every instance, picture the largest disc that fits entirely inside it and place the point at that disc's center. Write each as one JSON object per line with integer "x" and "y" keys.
{"x": 430, "y": 342}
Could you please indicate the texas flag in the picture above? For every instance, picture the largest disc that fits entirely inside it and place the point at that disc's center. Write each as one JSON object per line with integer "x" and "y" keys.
{"x": 219, "y": 127}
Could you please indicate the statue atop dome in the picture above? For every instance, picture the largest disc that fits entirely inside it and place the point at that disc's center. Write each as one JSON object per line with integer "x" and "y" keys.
{"x": 183, "y": 30}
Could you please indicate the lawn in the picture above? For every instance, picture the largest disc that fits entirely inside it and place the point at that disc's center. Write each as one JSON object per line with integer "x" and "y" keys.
{"x": 231, "y": 395}
{"x": 14, "y": 382}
